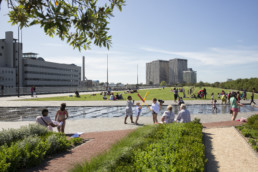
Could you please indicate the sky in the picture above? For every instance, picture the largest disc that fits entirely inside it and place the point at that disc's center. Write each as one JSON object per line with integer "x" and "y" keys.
{"x": 219, "y": 38}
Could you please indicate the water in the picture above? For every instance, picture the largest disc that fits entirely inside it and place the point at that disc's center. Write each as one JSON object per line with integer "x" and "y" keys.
{"x": 30, "y": 113}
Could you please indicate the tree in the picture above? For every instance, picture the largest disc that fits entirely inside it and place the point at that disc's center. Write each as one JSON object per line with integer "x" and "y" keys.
{"x": 79, "y": 22}
{"x": 163, "y": 83}
{"x": 151, "y": 83}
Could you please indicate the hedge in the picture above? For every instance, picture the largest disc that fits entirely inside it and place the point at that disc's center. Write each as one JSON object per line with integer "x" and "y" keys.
{"x": 168, "y": 147}
{"x": 31, "y": 150}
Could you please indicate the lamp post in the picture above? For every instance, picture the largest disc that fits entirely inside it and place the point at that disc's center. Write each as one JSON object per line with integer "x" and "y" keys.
{"x": 107, "y": 72}
{"x": 18, "y": 63}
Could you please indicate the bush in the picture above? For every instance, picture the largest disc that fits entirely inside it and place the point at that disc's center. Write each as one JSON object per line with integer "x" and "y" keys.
{"x": 168, "y": 147}
{"x": 58, "y": 143}
{"x": 250, "y": 130}
{"x": 13, "y": 135}
{"x": 76, "y": 141}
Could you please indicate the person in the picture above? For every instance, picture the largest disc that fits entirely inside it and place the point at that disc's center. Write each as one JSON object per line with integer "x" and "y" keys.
{"x": 252, "y": 97}
{"x": 223, "y": 98}
{"x": 180, "y": 101}
{"x": 212, "y": 97}
{"x": 46, "y": 121}
{"x": 2, "y": 90}
{"x": 32, "y": 91}
{"x": 61, "y": 116}
{"x": 138, "y": 110}
{"x": 218, "y": 95}
{"x": 238, "y": 97}
{"x": 129, "y": 109}
{"x": 155, "y": 110}
{"x": 214, "y": 106}
{"x": 234, "y": 105}
{"x": 112, "y": 97}
{"x": 204, "y": 92}
{"x": 109, "y": 90}
{"x": 77, "y": 94}
{"x": 168, "y": 116}
{"x": 183, "y": 115}
{"x": 104, "y": 97}
{"x": 175, "y": 94}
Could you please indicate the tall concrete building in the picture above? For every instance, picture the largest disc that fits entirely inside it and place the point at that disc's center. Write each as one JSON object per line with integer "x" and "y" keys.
{"x": 157, "y": 71}
{"x": 30, "y": 70}
{"x": 11, "y": 68}
{"x": 171, "y": 71}
{"x": 189, "y": 76}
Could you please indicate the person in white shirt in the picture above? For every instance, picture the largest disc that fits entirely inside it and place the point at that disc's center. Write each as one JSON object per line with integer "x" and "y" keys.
{"x": 183, "y": 115}
{"x": 138, "y": 110}
{"x": 155, "y": 110}
{"x": 168, "y": 116}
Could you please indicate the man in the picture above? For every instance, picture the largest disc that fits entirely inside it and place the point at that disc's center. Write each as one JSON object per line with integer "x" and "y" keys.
{"x": 252, "y": 97}
{"x": 204, "y": 92}
{"x": 183, "y": 115}
{"x": 45, "y": 120}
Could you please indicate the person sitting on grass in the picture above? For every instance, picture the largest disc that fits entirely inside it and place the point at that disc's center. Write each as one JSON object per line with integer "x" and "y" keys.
{"x": 168, "y": 116}
{"x": 46, "y": 121}
{"x": 183, "y": 115}
{"x": 138, "y": 110}
{"x": 61, "y": 116}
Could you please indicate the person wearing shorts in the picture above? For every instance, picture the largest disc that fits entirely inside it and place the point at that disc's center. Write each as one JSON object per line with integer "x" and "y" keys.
{"x": 155, "y": 110}
{"x": 234, "y": 105}
{"x": 138, "y": 110}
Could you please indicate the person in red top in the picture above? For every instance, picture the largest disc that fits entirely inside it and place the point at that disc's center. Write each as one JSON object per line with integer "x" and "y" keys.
{"x": 61, "y": 116}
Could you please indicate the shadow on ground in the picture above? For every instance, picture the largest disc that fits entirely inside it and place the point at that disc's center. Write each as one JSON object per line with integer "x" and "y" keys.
{"x": 211, "y": 165}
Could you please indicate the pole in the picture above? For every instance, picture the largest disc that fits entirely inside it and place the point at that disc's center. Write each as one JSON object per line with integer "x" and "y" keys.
{"x": 18, "y": 61}
{"x": 137, "y": 78}
{"x": 107, "y": 72}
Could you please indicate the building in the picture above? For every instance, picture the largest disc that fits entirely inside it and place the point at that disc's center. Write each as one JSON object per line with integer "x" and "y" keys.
{"x": 41, "y": 73}
{"x": 157, "y": 71}
{"x": 11, "y": 69}
{"x": 171, "y": 71}
{"x": 189, "y": 76}
{"x": 31, "y": 70}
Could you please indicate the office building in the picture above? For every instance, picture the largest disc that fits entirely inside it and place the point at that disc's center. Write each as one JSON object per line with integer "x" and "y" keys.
{"x": 31, "y": 70}
{"x": 189, "y": 76}
{"x": 171, "y": 71}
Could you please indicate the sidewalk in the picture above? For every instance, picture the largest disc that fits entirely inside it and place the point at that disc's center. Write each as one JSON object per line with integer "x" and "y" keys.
{"x": 227, "y": 151}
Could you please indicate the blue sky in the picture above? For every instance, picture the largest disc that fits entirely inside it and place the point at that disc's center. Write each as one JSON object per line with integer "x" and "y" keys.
{"x": 218, "y": 37}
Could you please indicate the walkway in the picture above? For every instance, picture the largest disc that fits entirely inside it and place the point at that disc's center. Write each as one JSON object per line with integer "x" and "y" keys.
{"x": 227, "y": 150}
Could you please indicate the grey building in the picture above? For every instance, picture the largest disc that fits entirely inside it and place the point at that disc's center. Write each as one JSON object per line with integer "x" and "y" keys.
{"x": 10, "y": 61}
{"x": 39, "y": 72}
{"x": 31, "y": 70}
{"x": 171, "y": 71}
{"x": 156, "y": 72}
{"x": 189, "y": 76}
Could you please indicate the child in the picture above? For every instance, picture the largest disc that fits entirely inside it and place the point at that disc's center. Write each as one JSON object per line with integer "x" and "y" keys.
{"x": 61, "y": 116}
{"x": 168, "y": 116}
{"x": 218, "y": 96}
{"x": 214, "y": 106}
{"x": 129, "y": 109}
{"x": 155, "y": 110}
{"x": 138, "y": 110}
{"x": 180, "y": 101}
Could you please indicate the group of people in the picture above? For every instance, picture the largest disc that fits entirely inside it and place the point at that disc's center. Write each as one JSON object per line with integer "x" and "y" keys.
{"x": 167, "y": 117}
{"x": 60, "y": 118}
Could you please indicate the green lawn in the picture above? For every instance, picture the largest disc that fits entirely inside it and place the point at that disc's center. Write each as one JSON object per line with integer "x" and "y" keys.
{"x": 164, "y": 94}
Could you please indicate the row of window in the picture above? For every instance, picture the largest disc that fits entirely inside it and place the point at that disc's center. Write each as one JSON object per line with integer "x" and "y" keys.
{"x": 40, "y": 79}
{"x": 46, "y": 73}
{"x": 7, "y": 71}
{"x": 55, "y": 68}
{"x": 6, "y": 79}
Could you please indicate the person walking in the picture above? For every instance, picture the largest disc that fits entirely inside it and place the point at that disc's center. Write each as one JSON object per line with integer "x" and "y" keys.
{"x": 2, "y": 90}
{"x": 234, "y": 105}
{"x": 252, "y": 97}
{"x": 204, "y": 92}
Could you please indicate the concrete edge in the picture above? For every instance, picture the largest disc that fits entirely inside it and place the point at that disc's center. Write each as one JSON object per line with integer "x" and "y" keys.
{"x": 246, "y": 141}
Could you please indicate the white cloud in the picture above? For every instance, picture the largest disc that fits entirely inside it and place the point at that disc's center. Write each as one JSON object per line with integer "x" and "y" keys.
{"x": 215, "y": 56}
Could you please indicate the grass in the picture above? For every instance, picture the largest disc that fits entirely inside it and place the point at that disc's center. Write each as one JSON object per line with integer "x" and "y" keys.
{"x": 250, "y": 131}
{"x": 169, "y": 147}
{"x": 164, "y": 94}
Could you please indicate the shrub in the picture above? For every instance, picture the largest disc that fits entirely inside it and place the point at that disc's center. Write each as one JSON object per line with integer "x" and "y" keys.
{"x": 58, "y": 143}
{"x": 76, "y": 141}
{"x": 12, "y": 135}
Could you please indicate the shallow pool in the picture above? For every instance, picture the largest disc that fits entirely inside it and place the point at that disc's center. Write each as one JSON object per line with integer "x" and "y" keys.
{"x": 30, "y": 113}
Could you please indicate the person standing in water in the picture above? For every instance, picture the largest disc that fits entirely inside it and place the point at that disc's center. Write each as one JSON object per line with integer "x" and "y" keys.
{"x": 61, "y": 116}
{"x": 252, "y": 97}
{"x": 234, "y": 105}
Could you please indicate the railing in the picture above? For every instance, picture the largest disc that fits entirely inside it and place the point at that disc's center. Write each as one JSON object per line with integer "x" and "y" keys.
{"x": 55, "y": 90}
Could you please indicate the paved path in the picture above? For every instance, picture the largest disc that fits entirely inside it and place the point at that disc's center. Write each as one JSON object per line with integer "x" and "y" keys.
{"x": 99, "y": 143}
{"x": 227, "y": 151}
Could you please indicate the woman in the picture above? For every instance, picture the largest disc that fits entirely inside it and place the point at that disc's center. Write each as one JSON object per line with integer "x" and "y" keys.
{"x": 61, "y": 116}
{"x": 234, "y": 105}
{"x": 168, "y": 116}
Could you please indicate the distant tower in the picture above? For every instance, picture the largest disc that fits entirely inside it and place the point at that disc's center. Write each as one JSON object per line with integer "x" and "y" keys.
{"x": 83, "y": 68}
